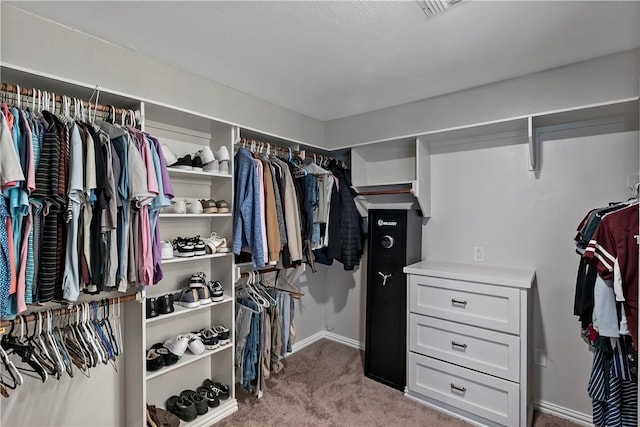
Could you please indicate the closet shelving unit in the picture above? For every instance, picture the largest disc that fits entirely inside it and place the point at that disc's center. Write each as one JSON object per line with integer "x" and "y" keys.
{"x": 395, "y": 173}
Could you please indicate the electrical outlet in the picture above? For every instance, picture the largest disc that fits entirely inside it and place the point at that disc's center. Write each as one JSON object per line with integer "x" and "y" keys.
{"x": 540, "y": 357}
{"x": 478, "y": 253}
{"x": 330, "y": 328}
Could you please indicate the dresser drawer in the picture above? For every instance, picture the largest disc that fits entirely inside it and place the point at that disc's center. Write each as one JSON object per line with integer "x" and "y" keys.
{"x": 476, "y": 304}
{"x": 491, "y": 352}
{"x": 492, "y": 398}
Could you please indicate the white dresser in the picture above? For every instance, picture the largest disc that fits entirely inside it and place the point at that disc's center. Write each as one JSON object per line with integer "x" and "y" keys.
{"x": 469, "y": 337}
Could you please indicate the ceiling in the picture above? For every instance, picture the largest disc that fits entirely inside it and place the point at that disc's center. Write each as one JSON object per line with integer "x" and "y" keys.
{"x": 329, "y": 59}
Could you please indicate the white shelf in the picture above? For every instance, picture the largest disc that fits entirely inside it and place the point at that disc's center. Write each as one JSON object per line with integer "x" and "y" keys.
{"x": 202, "y": 215}
{"x": 187, "y": 359}
{"x": 226, "y": 408}
{"x": 194, "y": 258}
{"x": 175, "y": 171}
{"x": 179, "y": 310}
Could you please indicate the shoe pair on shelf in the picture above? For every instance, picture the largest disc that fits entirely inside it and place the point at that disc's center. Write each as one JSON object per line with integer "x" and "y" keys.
{"x": 159, "y": 356}
{"x": 204, "y": 159}
{"x": 186, "y": 247}
{"x": 212, "y": 206}
{"x": 200, "y": 292}
{"x": 160, "y": 305}
{"x": 158, "y": 417}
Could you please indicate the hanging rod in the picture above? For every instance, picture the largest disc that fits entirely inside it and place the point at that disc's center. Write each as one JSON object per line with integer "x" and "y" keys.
{"x": 6, "y": 87}
{"x": 261, "y": 144}
{"x": 384, "y": 192}
{"x": 294, "y": 294}
{"x": 64, "y": 310}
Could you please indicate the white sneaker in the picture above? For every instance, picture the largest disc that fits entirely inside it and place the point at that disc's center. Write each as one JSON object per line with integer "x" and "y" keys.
{"x": 177, "y": 207}
{"x": 220, "y": 243}
{"x": 166, "y": 249}
{"x": 206, "y": 155}
{"x": 222, "y": 154}
{"x": 169, "y": 156}
{"x": 194, "y": 206}
{"x": 212, "y": 167}
{"x": 224, "y": 167}
{"x": 196, "y": 346}
{"x": 177, "y": 345}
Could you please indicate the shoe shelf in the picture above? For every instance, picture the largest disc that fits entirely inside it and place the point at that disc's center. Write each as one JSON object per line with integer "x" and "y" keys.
{"x": 179, "y": 310}
{"x": 175, "y": 171}
{"x": 187, "y": 359}
{"x": 226, "y": 408}
{"x": 194, "y": 258}
{"x": 202, "y": 215}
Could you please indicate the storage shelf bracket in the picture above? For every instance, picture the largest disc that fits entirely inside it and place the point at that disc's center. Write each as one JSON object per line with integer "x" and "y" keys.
{"x": 533, "y": 145}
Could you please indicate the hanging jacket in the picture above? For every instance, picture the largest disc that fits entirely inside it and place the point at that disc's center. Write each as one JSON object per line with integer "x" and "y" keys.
{"x": 350, "y": 222}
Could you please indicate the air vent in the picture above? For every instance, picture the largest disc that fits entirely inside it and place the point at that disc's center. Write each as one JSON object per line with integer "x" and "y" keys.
{"x": 432, "y": 8}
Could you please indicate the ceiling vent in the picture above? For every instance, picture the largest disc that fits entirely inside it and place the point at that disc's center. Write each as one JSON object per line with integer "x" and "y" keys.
{"x": 436, "y": 7}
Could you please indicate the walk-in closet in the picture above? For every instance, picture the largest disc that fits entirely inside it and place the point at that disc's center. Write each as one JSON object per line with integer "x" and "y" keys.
{"x": 362, "y": 213}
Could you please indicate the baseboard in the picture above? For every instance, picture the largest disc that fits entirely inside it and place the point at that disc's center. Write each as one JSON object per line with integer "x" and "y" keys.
{"x": 562, "y": 412}
{"x": 344, "y": 340}
{"x": 327, "y": 335}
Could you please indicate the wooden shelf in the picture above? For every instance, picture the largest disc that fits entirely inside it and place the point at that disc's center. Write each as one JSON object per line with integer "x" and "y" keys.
{"x": 180, "y": 310}
{"x": 175, "y": 171}
{"x": 187, "y": 359}
{"x": 202, "y": 215}
{"x": 194, "y": 258}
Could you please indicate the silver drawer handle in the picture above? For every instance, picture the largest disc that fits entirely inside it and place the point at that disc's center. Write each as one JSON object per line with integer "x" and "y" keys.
{"x": 458, "y": 302}
{"x": 460, "y": 389}
{"x": 455, "y": 344}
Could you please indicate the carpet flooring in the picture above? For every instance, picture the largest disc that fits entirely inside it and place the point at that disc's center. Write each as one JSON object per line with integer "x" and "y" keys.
{"x": 323, "y": 385}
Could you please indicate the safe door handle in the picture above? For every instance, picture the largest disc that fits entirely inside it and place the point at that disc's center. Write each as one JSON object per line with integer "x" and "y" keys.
{"x": 384, "y": 277}
{"x": 456, "y": 388}
{"x": 455, "y": 344}
{"x": 458, "y": 302}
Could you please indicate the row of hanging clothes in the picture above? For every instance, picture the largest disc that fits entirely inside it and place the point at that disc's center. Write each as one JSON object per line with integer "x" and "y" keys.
{"x": 80, "y": 201}
{"x": 605, "y": 302}
{"x": 291, "y": 210}
{"x": 57, "y": 345}
{"x": 264, "y": 325}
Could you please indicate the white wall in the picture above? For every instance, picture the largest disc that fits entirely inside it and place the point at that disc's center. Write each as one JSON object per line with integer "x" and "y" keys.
{"x": 89, "y": 60}
{"x": 598, "y": 80}
{"x": 487, "y": 197}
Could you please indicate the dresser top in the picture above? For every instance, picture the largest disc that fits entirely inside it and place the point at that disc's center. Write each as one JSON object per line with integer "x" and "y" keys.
{"x": 474, "y": 273}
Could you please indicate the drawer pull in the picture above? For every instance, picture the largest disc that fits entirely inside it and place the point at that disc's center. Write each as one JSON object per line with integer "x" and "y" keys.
{"x": 458, "y": 302}
{"x": 456, "y": 388}
{"x": 455, "y": 344}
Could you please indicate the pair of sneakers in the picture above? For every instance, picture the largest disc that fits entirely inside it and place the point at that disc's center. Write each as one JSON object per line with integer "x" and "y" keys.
{"x": 184, "y": 206}
{"x": 214, "y": 337}
{"x": 185, "y": 247}
{"x": 199, "y": 292}
{"x": 215, "y": 162}
{"x": 188, "y": 405}
{"x": 203, "y": 159}
{"x": 179, "y": 344}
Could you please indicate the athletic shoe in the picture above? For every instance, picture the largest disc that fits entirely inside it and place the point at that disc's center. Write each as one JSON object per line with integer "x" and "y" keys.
{"x": 182, "y": 407}
{"x": 193, "y": 206}
{"x": 209, "y": 206}
{"x": 166, "y": 249}
{"x": 213, "y": 167}
{"x": 206, "y": 155}
{"x": 196, "y": 163}
{"x": 197, "y": 280}
{"x": 199, "y": 247}
{"x": 212, "y": 399}
{"x": 200, "y": 401}
{"x": 165, "y": 304}
{"x": 216, "y": 291}
{"x": 177, "y": 345}
{"x": 204, "y": 295}
{"x": 183, "y": 248}
{"x": 222, "y": 154}
{"x": 220, "y": 390}
{"x": 195, "y": 345}
{"x": 177, "y": 207}
{"x": 209, "y": 338}
{"x": 219, "y": 242}
{"x": 152, "y": 308}
{"x": 154, "y": 361}
{"x": 169, "y": 358}
{"x": 223, "y": 167}
{"x": 187, "y": 298}
{"x": 223, "y": 206}
{"x": 184, "y": 162}
{"x": 223, "y": 334}
{"x": 169, "y": 156}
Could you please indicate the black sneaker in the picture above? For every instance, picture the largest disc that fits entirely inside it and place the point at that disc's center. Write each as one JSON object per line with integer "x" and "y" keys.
{"x": 197, "y": 280}
{"x": 209, "y": 338}
{"x": 199, "y": 248}
{"x": 184, "y": 408}
{"x": 152, "y": 308}
{"x": 168, "y": 357}
{"x": 202, "y": 407}
{"x": 220, "y": 390}
{"x": 223, "y": 334}
{"x": 212, "y": 399}
{"x": 185, "y": 163}
{"x": 196, "y": 164}
{"x": 154, "y": 361}
{"x": 165, "y": 304}
{"x": 216, "y": 291}
{"x": 183, "y": 248}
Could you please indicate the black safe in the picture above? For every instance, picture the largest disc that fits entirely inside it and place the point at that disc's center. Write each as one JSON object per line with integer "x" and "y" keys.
{"x": 395, "y": 241}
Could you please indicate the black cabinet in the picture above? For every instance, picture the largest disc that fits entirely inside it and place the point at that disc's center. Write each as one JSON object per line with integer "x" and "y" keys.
{"x": 395, "y": 240}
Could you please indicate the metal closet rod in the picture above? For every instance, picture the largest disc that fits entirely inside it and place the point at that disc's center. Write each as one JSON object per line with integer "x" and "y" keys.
{"x": 6, "y": 87}
{"x": 294, "y": 294}
{"x": 281, "y": 148}
{"x": 64, "y": 310}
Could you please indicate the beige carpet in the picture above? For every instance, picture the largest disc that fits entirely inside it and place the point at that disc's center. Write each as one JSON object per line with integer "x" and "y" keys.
{"x": 324, "y": 385}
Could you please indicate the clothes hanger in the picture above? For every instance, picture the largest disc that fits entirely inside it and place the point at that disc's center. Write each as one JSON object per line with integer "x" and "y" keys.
{"x": 60, "y": 343}
{"x": 88, "y": 360}
{"x": 25, "y": 349}
{"x": 50, "y": 341}
{"x": 42, "y": 352}
{"x": 96, "y": 347}
{"x": 10, "y": 368}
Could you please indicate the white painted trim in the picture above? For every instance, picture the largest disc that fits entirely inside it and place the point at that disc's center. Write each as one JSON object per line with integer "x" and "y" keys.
{"x": 564, "y": 413}
{"x": 307, "y": 342}
{"x": 344, "y": 340}
{"x": 444, "y": 410}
